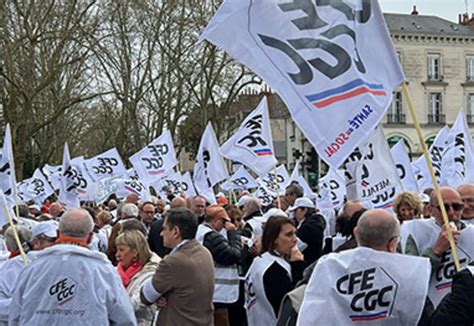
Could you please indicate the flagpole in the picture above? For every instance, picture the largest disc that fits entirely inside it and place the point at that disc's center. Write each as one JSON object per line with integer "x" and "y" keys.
{"x": 278, "y": 188}
{"x": 15, "y": 233}
{"x": 437, "y": 191}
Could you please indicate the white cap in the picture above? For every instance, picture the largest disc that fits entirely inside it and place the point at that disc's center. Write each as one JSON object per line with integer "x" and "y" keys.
{"x": 303, "y": 202}
{"x": 47, "y": 228}
{"x": 272, "y": 212}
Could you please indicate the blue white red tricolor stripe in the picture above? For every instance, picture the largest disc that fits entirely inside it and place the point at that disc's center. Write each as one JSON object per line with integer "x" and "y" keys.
{"x": 379, "y": 315}
{"x": 263, "y": 152}
{"x": 351, "y": 89}
{"x": 443, "y": 286}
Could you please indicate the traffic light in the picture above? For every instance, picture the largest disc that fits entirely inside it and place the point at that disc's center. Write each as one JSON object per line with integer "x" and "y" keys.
{"x": 311, "y": 161}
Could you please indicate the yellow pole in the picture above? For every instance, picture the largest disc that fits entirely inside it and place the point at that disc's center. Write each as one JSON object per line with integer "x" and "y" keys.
{"x": 439, "y": 198}
{"x": 15, "y": 233}
{"x": 278, "y": 187}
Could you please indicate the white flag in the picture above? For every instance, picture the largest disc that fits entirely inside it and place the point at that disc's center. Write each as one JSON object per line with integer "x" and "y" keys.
{"x": 296, "y": 173}
{"x": 4, "y": 210}
{"x": 266, "y": 198}
{"x": 436, "y": 151}
{"x": 332, "y": 189}
{"x": 209, "y": 168}
{"x": 308, "y": 192}
{"x": 334, "y": 65}
{"x": 105, "y": 165}
{"x": 70, "y": 181}
{"x": 252, "y": 143}
{"x": 156, "y": 158}
{"x": 7, "y": 169}
{"x": 38, "y": 188}
{"x": 240, "y": 180}
{"x": 53, "y": 174}
{"x": 275, "y": 181}
{"x": 403, "y": 164}
{"x": 459, "y": 155}
{"x": 187, "y": 185}
{"x": 376, "y": 177}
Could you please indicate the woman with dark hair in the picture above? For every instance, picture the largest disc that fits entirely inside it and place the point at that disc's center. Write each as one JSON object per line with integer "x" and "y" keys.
{"x": 274, "y": 273}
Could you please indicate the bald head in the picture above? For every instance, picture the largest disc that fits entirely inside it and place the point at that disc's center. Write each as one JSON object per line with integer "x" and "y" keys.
{"x": 378, "y": 229}
{"x": 178, "y": 202}
{"x": 452, "y": 202}
{"x": 76, "y": 223}
{"x": 466, "y": 191}
{"x": 351, "y": 207}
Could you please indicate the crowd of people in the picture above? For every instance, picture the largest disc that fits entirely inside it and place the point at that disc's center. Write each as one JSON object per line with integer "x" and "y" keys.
{"x": 183, "y": 261}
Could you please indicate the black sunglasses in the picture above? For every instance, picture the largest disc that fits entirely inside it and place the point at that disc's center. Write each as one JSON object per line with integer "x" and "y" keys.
{"x": 454, "y": 206}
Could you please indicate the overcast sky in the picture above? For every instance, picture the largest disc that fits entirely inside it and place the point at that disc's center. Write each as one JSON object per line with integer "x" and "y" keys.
{"x": 448, "y": 9}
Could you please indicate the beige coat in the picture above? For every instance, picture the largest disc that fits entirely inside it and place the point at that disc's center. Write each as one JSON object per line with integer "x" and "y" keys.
{"x": 143, "y": 313}
{"x": 186, "y": 279}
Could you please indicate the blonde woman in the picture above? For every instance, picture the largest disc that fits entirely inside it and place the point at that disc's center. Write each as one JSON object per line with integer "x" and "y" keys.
{"x": 407, "y": 206}
{"x": 136, "y": 264}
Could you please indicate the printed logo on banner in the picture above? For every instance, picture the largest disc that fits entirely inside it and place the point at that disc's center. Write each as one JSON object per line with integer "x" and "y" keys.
{"x": 5, "y": 169}
{"x": 63, "y": 290}
{"x": 372, "y": 293}
{"x": 155, "y": 163}
{"x": 443, "y": 275}
{"x": 253, "y": 140}
{"x": 240, "y": 182}
{"x": 272, "y": 181}
{"x": 77, "y": 181}
{"x": 105, "y": 165}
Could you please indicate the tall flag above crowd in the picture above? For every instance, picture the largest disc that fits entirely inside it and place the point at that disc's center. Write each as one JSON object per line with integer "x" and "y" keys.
{"x": 252, "y": 143}
{"x": 333, "y": 65}
{"x": 209, "y": 168}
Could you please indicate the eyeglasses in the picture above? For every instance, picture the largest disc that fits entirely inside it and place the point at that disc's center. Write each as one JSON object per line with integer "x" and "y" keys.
{"x": 468, "y": 201}
{"x": 454, "y": 206}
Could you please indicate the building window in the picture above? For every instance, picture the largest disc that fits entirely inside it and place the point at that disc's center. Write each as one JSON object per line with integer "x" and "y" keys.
{"x": 435, "y": 114}
{"x": 470, "y": 67}
{"x": 394, "y": 113}
{"x": 399, "y": 57}
{"x": 470, "y": 108}
{"x": 434, "y": 66}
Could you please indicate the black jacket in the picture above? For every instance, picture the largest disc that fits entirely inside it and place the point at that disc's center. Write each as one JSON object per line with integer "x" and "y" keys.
{"x": 224, "y": 251}
{"x": 155, "y": 241}
{"x": 311, "y": 232}
{"x": 457, "y": 308}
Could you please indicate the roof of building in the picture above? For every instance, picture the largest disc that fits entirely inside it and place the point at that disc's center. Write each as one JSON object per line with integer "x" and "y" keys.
{"x": 427, "y": 25}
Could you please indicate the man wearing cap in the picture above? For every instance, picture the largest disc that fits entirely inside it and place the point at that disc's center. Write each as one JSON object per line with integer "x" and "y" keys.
{"x": 310, "y": 228}
{"x": 44, "y": 234}
{"x": 220, "y": 236}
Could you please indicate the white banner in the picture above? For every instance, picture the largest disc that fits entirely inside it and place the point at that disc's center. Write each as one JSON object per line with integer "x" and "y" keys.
{"x": 37, "y": 188}
{"x": 4, "y": 210}
{"x": 459, "y": 155}
{"x": 403, "y": 164}
{"x": 156, "y": 159}
{"x": 106, "y": 165}
{"x": 376, "y": 177}
{"x": 332, "y": 189}
{"x": 333, "y": 64}
{"x": 176, "y": 183}
{"x": 296, "y": 172}
{"x": 275, "y": 181}
{"x": 70, "y": 181}
{"x": 53, "y": 174}
{"x": 252, "y": 143}
{"x": 366, "y": 286}
{"x": 240, "y": 180}
{"x": 7, "y": 169}
{"x": 266, "y": 198}
{"x": 436, "y": 151}
{"x": 209, "y": 168}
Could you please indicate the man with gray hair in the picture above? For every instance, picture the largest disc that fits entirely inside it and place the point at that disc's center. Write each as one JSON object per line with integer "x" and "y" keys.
{"x": 129, "y": 210}
{"x": 370, "y": 282}
{"x": 70, "y": 284}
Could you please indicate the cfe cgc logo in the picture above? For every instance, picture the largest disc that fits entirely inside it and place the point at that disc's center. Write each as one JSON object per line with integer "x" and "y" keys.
{"x": 63, "y": 290}
{"x": 371, "y": 293}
